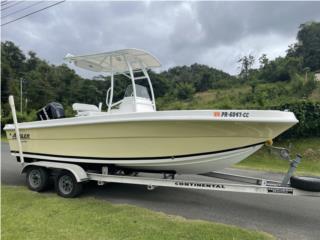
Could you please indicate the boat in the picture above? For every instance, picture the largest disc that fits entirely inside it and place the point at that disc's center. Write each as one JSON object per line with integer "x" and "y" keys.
{"x": 132, "y": 135}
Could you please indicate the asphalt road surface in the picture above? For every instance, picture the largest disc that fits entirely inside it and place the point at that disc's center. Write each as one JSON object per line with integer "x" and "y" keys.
{"x": 285, "y": 217}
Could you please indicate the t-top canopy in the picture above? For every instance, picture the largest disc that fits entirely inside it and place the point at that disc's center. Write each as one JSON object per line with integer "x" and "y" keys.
{"x": 115, "y": 61}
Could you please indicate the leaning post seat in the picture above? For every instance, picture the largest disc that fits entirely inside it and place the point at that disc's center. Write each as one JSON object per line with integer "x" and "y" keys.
{"x": 83, "y": 109}
{"x": 52, "y": 110}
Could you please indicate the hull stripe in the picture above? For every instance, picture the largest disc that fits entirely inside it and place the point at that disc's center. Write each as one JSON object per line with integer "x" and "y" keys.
{"x": 140, "y": 158}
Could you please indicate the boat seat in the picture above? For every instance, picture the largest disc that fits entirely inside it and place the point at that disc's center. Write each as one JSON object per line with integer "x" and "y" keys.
{"x": 83, "y": 109}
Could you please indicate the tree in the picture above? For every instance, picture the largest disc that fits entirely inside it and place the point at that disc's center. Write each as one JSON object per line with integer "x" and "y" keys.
{"x": 205, "y": 82}
{"x": 308, "y": 45}
{"x": 161, "y": 85}
{"x": 185, "y": 91}
{"x": 32, "y": 61}
{"x": 246, "y": 64}
{"x": 12, "y": 55}
{"x": 263, "y": 60}
{"x": 280, "y": 69}
{"x": 12, "y": 68}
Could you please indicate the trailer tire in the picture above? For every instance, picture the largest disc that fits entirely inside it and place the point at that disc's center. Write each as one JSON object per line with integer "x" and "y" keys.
{"x": 67, "y": 186}
{"x": 306, "y": 183}
{"x": 37, "y": 178}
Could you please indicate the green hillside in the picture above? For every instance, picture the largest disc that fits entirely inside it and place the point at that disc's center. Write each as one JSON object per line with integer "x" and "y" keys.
{"x": 242, "y": 97}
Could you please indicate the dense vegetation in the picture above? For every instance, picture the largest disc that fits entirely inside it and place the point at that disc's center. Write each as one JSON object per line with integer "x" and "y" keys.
{"x": 283, "y": 83}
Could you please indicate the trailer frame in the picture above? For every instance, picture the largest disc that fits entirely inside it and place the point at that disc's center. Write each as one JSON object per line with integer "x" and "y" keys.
{"x": 253, "y": 185}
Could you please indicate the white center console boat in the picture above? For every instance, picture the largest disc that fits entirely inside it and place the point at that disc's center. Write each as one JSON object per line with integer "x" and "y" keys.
{"x": 132, "y": 135}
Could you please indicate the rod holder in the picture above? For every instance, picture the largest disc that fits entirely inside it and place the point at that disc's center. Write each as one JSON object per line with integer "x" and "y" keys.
{"x": 15, "y": 122}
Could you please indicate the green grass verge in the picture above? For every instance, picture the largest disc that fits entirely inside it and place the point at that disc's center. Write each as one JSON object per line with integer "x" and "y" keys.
{"x": 4, "y": 138}
{"x": 30, "y": 215}
{"x": 309, "y": 148}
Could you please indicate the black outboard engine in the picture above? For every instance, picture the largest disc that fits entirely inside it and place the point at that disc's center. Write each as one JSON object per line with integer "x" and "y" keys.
{"x": 52, "y": 110}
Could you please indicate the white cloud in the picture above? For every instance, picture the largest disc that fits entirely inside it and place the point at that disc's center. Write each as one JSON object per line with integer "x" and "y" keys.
{"x": 178, "y": 33}
{"x": 226, "y": 56}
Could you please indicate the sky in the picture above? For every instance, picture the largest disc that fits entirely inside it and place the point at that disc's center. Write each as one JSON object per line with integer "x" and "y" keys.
{"x": 217, "y": 34}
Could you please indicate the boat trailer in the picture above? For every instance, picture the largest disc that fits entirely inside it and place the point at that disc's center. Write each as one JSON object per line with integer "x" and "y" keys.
{"x": 75, "y": 176}
{"x": 69, "y": 178}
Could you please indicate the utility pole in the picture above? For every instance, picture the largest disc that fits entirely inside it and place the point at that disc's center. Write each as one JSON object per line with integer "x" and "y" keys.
{"x": 306, "y": 73}
{"x": 21, "y": 95}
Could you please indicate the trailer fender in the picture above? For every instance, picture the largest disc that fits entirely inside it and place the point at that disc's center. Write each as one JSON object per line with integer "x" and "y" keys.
{"x": 78, "y": 172}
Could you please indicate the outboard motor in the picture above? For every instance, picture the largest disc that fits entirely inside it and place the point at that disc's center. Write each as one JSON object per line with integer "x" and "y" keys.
{"x": 52, "y": 110}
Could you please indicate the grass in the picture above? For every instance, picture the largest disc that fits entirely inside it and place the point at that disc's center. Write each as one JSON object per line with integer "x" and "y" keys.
{"x": 215, "y": 95}
{"x": 309, "y": 148}
{"x": 238, "y": 97}
{"x": 30, "y": 215}
{"x": 4, "y": 138}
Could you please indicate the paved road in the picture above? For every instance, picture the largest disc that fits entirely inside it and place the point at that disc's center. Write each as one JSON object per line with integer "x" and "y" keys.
{"x": 283, "y": 216}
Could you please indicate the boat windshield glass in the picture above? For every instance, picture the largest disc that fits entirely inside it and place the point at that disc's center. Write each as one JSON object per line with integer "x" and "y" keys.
{"x": 141, "y": 91}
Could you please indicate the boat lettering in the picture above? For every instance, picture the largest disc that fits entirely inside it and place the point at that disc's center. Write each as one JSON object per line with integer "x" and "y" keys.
{"x": 201, "y": 185}
{"x": 22, "y": 136}
{"x": 235, "y": 114}
{"x": 280, "y": 190}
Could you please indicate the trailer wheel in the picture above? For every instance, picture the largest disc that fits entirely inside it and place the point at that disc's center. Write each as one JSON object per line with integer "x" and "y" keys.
{"x": 37, "y": 179}
{"x": 67, "y": 186}
{"x": 306, "y": 183}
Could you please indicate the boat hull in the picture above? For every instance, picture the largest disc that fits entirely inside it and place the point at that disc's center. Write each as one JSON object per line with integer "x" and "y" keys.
{"x": 198, "y": 163}
{"x": 181, "y": 145}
